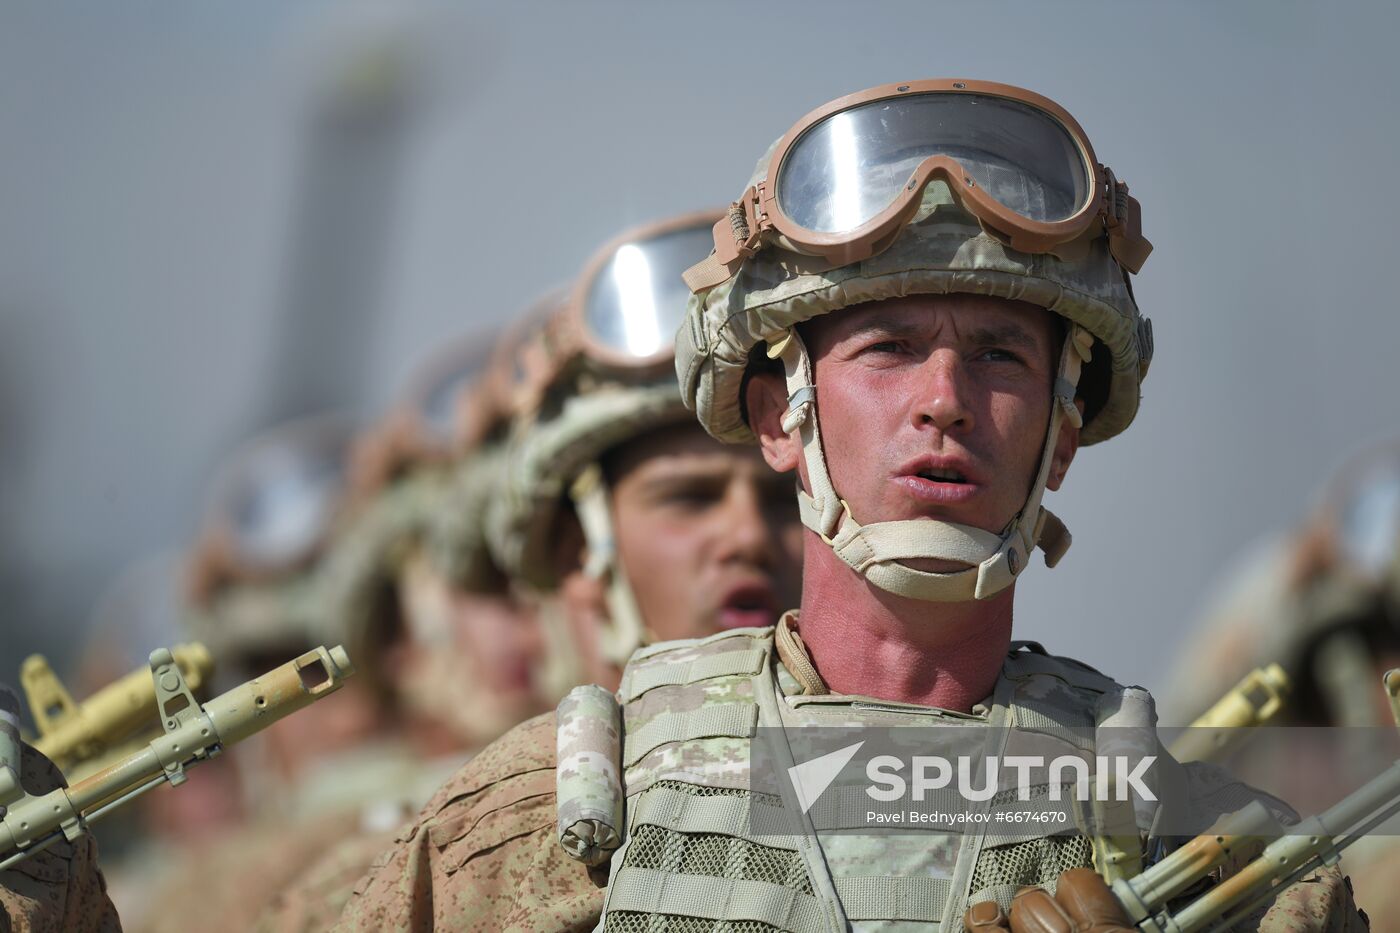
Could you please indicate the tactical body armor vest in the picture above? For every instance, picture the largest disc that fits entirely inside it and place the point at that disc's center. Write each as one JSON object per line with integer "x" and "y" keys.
{"x": 690, "y": 859}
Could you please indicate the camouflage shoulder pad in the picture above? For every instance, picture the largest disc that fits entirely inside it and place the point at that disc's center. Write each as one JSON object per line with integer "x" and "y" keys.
{"x": 662, "y": 647}
{"x": 1029, "y": 659}
{"x": 738, "y": 652}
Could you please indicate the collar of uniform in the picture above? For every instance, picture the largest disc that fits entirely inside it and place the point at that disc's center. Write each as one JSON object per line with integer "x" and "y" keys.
{"x": 798, "y": 676}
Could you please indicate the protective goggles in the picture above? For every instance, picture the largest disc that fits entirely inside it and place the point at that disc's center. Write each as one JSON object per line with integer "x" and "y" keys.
{"x": 434, "y": 399}
{"x": 622, "y": 315}
{"x": 1365, "y": 509}
{"x": 847, "y": 178}
{"x": 274, "y": 505}
{"x": 441, "y": 412}
{"x": 509, "y": 376}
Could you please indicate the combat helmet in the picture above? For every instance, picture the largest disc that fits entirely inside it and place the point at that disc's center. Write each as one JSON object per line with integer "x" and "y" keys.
{"x": 419, "y": 488}
{"x": 597, "y": 372}
{"x": 250, "y": 592}
{"x": 929, "y": 187}
{"x": 1322, "y": 602}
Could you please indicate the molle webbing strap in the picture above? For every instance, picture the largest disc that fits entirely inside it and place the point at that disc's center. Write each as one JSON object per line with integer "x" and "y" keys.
{"x": 847, "y": 807}
{"x": 1032, "y": 720}
{"x": 722, "y": 720}
{"x": 722, "y": 814}
{"x": 707, "y": 273}
{"x": 793, "y": 653}
{"x": 644, "y": 677}
{"x": 646, "y": 890}
{"x": 886, "y": 898}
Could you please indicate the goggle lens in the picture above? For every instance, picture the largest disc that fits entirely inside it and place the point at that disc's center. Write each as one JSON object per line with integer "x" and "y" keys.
{"x": 282, "y": 501}
{"x": 853, "y": 164}
{"x": 438, "y": 406}
{"x": 1370, "y": 521}
{"x": 637, "y": 300}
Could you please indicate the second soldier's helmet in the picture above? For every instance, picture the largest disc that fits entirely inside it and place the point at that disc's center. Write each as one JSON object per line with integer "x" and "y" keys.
{"x": 598, "y": 372}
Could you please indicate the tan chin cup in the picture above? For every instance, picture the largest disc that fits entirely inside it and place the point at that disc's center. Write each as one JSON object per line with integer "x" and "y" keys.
{"x": 625, "y": 631}
{"x": 756, "y": 221}
{"x": 875, "y": 551}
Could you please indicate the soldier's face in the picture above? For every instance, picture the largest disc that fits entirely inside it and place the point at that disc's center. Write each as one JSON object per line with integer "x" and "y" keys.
{"x": 930, "y": 406}
{"x": 707, "y": 535}
{"x": 470, "y": 658}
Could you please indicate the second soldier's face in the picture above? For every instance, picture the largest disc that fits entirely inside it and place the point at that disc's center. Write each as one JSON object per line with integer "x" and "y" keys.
{"x": 708, "y": 536}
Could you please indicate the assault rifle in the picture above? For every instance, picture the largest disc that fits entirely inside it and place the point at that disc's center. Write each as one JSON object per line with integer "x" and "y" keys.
{"x": 1253, "y": 701}
{"x": 193, "y": 733}
{"x": 72, "y": 734}
{"x": 1314, "y": 842}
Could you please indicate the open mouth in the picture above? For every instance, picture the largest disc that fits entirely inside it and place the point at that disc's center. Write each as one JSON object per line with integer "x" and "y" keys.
{"x": 943, "y": 476}
{"x": 938, "y": 483}
{"x": 747, "y": 606}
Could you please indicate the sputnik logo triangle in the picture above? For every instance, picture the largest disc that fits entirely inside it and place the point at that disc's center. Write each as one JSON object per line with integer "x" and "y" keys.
{"x": 811, "y": 778}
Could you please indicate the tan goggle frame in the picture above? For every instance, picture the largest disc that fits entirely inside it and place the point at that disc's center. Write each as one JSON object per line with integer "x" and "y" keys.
{"x": 218, "y": 557}
{"x": 566, "y": 338}
{"x": 756, "y": 220}
{"x": 511, "y": 374}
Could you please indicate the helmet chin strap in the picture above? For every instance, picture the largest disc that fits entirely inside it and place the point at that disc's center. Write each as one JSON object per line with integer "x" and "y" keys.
{"x": 875, "y": 550}
{"x": 625, "y": 630}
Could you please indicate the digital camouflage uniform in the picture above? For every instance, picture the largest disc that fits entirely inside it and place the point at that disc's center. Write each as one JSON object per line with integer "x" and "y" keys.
{"x": 416, "y": 538}
{"x": 59, "y": 890}
{"x": 485, "y": 854}
{"x": 439, "y": 513}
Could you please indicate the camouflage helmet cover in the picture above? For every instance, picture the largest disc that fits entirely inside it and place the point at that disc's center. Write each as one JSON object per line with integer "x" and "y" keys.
{"x": 944, "y": 250}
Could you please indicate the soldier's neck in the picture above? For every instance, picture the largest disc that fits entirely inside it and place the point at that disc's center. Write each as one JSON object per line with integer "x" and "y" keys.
{"x": 866, "y": 641}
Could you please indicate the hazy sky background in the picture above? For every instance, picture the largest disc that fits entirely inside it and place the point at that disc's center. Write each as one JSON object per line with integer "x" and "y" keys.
{"x": 202, "y": 231}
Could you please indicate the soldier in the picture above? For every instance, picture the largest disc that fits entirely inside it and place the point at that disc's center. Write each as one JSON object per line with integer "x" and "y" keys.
{"x": 410, "y": 581}
{"x": 618, "y": 509}
{"x": 1324, "y": 604}
{"x": 61, "y": 888}
{"x": 899, "y": 310}
{"x": 253, "y": 598}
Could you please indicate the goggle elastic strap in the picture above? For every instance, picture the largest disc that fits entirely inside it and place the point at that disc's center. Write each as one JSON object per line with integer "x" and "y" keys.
{"x": 625, "y": 631}
{"x": 874, "y": 550}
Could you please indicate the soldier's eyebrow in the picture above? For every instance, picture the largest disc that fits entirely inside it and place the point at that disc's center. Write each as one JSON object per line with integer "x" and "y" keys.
{"x": 884, "y": 326}
{"x": 1004, "y": 335}
{"x": 679, "y": 472}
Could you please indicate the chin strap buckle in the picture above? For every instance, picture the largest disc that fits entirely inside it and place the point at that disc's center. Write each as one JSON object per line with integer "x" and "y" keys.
{"x": 799, "y": 408}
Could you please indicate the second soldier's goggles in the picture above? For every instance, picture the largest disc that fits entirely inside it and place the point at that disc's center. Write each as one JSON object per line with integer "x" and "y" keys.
{"x": 621, "y": 316}
{"x": 847, "y": 178}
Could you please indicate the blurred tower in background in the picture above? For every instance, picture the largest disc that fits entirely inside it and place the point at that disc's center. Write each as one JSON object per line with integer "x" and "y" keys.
{"x": 342, "y": 228}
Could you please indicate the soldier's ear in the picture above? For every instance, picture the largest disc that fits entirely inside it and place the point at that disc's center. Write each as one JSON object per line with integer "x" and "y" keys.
{"x": 585, "y": 604}
{"x": 1066, "y": 446}
{"x": 765, "y": 402}
{"x": 567, "y": 538}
